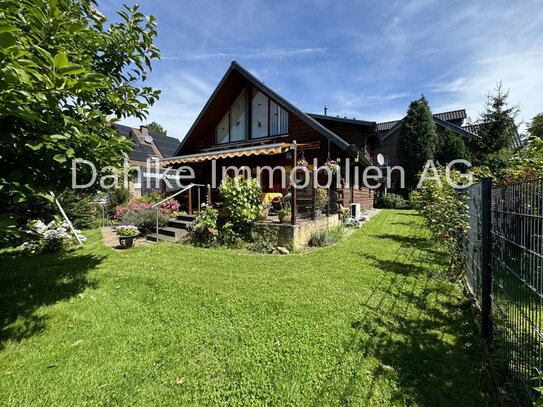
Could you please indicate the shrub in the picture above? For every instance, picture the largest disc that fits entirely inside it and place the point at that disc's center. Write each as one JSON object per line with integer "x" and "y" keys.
{"x": 241, "y": 198}
{"x": 445, "y": 211}
{"x": 203, "y": 230}
{"x": 229, "y": 237}
{"x": 264, "y": 239}
{"x": 46, "y": 238}
{"x": 326, "y": 237}
{"x": 118, "y": 196}
{"x": 80, "y": 209}
{"x": 389, "y": 201}
{"x": 139, "y": 212}
{"x": 145, "y": 220}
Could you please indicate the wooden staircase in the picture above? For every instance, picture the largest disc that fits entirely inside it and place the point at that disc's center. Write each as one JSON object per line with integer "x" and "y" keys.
{"x": 174, "y": 230}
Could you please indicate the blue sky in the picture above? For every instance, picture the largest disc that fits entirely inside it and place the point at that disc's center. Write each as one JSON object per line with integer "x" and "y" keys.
{"x": 362, "y": 59}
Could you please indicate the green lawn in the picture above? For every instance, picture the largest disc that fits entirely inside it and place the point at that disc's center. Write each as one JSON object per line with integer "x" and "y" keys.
{"x": 362, "y": 323}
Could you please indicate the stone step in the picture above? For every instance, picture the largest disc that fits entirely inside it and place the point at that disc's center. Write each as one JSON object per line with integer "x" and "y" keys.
{"x": 179, "y": 224}
{"x": 168, "y": 236}
{"x": 188, "y": 218}
{"x": 152, "y": 238}
{"x": 170, "y": 231}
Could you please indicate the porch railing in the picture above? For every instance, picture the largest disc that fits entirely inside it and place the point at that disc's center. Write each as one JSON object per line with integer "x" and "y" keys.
{"x": 190, "y": 211}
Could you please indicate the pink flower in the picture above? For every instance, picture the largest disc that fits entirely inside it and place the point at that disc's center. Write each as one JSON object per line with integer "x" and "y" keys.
{"x": 452, "y": 230}
{"x": 446, "y": 236}
{"x": 211, "y": 230}
{"x": 203, "y": 205}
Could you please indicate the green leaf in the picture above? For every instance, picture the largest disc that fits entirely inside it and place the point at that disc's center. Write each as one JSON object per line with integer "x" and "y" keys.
{"x": 47, "y": 196}
{"x": 6, "y": 40}
{"x": 61, "y": 158}
{"x": 75, "y": 27}
{"x": 72, "y": 69}
{"x": 36, "y": 147}
{"x": 61, "y": 60}
{"x": 7, "y": 28}
{"x": 58, "y": 137}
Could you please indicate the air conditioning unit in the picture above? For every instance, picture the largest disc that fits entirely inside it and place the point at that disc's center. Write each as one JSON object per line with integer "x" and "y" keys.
{"x": 355, "y": 211}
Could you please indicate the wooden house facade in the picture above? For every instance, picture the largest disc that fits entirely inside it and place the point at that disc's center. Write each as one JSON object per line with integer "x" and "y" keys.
{"x": 246, "y": 124}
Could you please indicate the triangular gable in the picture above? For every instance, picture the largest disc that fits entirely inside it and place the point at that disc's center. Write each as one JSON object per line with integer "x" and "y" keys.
{"x": 236, "y": 68}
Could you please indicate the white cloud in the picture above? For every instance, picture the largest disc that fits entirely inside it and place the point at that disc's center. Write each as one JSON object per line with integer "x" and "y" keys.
{"x": 248, "y": 53}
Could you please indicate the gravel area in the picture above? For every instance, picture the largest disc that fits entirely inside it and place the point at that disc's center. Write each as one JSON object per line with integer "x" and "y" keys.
{"x": 111, "y": 239}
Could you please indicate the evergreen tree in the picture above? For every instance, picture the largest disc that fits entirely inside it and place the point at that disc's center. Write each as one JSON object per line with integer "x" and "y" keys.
{"x": 497, "y": 127}
{"x": 157, "y": 128}
{"x": 451, "y": 147}
{"x": 535, "y": 129}
{"x": 418, "y": 140}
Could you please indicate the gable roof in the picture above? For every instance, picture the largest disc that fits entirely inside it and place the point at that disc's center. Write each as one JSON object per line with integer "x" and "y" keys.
{"x": 236, "y": 67}
{"x": 447, "y": 116}
{"x": 440, "y": 122}
{"x": 441, "y": 119}
{"x": 341, "y": 119}
{"x": 166, "y": 145}
{"x": 452, "y": 115}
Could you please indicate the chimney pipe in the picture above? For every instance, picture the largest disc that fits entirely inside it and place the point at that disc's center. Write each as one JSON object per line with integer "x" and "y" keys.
{"x": 325, "y": 109}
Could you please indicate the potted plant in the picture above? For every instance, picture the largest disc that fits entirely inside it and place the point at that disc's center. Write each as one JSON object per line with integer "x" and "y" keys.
{"x": 127, "y": 234}
{"x": 332, "y": 165}
{"x": 321, "y": 201}
{"x": 265, "y": 208}
{"x": 284, "y": 215}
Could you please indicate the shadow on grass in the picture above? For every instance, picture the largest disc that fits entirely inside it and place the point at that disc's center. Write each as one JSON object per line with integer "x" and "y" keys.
{"x": 27, "y": 283}
{"x": 421, "y": 335}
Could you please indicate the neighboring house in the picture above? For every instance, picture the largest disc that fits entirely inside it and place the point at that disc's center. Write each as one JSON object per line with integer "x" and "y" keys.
{"x": 245, "y": 123}
{"x": 149, "y": 146}
{"x": 389, "y": 132}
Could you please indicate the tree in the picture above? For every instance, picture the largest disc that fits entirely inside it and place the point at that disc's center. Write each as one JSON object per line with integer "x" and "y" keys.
{"x": 536, "y": 126}
{"x": 451, "y": 147}
{"x": 157, "y": 128}
{"x": 418, "y": 140}
{"x": 497, "y": 127}
{"x": 64, "y": 79}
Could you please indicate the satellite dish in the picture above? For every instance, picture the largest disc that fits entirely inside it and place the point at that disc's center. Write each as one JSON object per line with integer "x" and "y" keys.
{"x": 148, "y": 139}
{"x": 380, "y": 159}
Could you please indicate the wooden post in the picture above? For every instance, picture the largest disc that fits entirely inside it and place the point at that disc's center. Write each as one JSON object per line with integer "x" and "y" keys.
{"x": 314, "y": 213}
{"x": 328, "y": 201}
{"x": 66, "y": 218}
{"x": 190, "y": 201}
{"x": 293, "y": 199}
{"x": 208, "y": 194}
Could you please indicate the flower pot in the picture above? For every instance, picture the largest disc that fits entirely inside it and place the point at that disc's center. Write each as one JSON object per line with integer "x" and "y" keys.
{"x": 284, "y": 216}
{"x": 126, "y": 242}
{"x": 263, "y": 215}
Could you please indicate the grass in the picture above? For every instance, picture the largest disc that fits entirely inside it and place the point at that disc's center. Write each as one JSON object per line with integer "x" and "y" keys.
{"x": 364, "y": 322}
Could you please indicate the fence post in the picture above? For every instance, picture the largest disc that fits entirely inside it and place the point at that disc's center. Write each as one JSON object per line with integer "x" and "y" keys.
{"x": 314, "y": 204}
{"x": 486, "y": 269}
{"x": 293, "y": 194}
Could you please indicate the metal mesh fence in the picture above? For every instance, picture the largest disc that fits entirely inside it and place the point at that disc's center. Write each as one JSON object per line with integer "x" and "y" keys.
{"x": 507, "y": 253}
{"x": 471, "y": 241}
{"x": 517, "y": 281}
